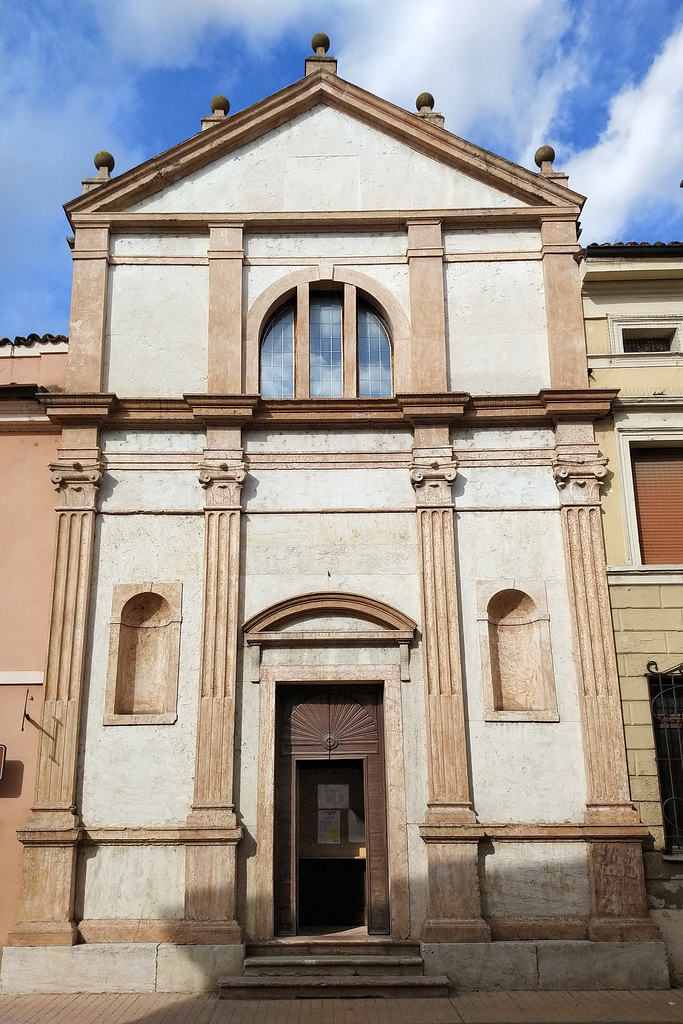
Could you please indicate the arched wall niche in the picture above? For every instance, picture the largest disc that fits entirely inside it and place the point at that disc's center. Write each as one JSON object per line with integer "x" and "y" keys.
{"x": 516, "y": 656}
{"x": 296, "y": 286}
{"x": 144, "y": 649}
{"x": 329, "y": 618}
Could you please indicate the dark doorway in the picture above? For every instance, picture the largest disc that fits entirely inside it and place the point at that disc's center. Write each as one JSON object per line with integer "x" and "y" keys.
{"x": 330, "y": 839}
{"x": 331, "y": 865}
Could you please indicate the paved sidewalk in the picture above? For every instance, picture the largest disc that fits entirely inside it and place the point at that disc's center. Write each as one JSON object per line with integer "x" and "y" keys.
{"x": 467, "y": 1008}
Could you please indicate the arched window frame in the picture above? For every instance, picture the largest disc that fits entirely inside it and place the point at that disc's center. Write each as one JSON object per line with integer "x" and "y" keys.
{"x": 351, "y": 298}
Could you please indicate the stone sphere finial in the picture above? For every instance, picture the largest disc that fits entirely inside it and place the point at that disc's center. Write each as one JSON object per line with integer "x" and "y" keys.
{"x": 544, "y": 155}
{"x": 104, "y": 159}
{"x": 425, "y": 99}
{"x": 220, "y": 103}
{"x": 320, "y": 41}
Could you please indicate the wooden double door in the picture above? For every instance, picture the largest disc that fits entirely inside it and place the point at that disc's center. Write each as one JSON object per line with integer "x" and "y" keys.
{"x": 331, "y": 863}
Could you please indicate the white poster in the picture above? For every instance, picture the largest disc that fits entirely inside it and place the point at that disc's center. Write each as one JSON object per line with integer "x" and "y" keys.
{"x": 356, "y": 828}
{"x": 333, "y": 796}
{"x": 329, "y": 826}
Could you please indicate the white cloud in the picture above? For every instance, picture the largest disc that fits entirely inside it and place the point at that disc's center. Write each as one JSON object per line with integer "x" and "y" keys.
{"x": 163, "y": 33}
{"x": 497, "y": 70}
{"x": 638, "y": 161}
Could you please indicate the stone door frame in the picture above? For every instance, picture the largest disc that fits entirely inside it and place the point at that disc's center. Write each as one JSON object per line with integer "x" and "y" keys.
{"x": 389, "y": 677}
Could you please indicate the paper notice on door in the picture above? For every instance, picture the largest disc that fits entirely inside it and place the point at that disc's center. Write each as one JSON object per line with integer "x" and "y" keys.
{"x": 356, "y": 828}
{"x": 329, "y": 826}
{"x": 336, "y": 795}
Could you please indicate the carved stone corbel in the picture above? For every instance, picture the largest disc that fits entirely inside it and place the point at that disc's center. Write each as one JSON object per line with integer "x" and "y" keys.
{"x": 579, "y": 480}
{"x": 76, "y": 485}
{"x": 432, "y": 482}
{"x": 223, "y": 485}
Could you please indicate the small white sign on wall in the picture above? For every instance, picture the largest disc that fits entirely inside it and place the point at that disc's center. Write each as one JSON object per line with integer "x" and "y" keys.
{"x": 336, "y": 795}
{"x": 329, "y": 827}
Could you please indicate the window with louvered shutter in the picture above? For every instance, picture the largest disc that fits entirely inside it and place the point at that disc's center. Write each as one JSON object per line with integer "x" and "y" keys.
{"x": 658, "y": 483}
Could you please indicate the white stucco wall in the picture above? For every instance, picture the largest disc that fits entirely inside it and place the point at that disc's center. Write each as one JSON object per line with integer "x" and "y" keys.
{"x": 159, "y": 245}
{"x": 497, "y": 240}
{"x": 128, "y": 442}
{"x": 505, "y": 486}
{"x": 156, "y": 337}
{"x": 521, "y": 771}
{"x": 516, "y": 438}
{"x": 281, "y": 490}
{"x": 150, "y": 490}
{"x": 300, "y": 441}
{"x": 372, "y": 553}
{"x": 324, "y": 160}
{"x": 536, "y": 879}
{"x": 496, "y": 327}
{"x": 143, "y": 775}
{"x": 331, "y": 245}
{"x": 131, "y": 882}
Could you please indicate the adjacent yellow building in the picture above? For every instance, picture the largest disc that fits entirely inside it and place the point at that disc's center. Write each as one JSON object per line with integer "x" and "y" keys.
{"x": 633, "y": 306}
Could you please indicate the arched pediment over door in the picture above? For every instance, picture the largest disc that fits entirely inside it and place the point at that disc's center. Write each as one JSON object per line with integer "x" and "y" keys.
{"x": 329, "y": 618}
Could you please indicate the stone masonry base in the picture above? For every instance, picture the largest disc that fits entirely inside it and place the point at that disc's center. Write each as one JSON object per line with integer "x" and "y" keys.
{"x": 477, "y": 966}
{"x": 549, "y": 965}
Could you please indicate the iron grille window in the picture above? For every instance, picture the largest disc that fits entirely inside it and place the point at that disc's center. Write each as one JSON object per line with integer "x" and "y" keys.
{"x": 666, "y": 701}
{"x": 648, "y": 339}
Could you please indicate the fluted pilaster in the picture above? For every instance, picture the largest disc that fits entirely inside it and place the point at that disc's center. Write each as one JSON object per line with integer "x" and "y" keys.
{"x": 619, "y": 907}
{"x": 210, "y": 896}
{"x": 453, "y": 902}
{"x": 52, "y": 829}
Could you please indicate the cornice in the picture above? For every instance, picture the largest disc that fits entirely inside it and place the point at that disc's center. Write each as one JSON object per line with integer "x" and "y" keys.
{"x": 548, "y": 406}
{"x": 268, "y": 114}
{"x": 588, "y": 404}
{"x": 359, "y": 220}
{"x": 77, "y": 409}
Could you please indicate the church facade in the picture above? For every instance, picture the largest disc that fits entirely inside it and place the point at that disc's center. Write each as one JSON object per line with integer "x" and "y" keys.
{"x": 330, "y": 647}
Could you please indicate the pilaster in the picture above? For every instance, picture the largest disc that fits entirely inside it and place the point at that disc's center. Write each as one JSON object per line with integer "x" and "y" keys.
{"x": 619, "y": 909}
{"x": 564, "y": 311}
{"x": 88, "y": 309}
{"x": 210, "y": 890}
{"x": 226, "y": 261}
{"x": 53, "y": 827}
{"x": 454, "y": 903}
{"x": 427, "y": 306}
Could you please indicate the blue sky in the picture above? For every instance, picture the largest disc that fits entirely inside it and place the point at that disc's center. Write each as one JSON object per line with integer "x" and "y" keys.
{"x": 600, "y": 80}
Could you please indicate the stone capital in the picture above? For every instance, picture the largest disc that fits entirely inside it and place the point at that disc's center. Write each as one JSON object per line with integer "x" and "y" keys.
{"x": 579, "y": 480}
{"x": 223, "y": 484}
{"x": 432, "y": 482}
{"x": 76, "y": 485}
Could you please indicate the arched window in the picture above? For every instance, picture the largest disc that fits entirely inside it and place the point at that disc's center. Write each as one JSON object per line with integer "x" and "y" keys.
{"x": 374, "y": 355}
{"x": 277, "y": 355}
{"x": 341, "y": 349}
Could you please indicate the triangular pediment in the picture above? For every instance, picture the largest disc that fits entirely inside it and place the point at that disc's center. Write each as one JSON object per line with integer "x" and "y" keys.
{"x": 322, "y": 144}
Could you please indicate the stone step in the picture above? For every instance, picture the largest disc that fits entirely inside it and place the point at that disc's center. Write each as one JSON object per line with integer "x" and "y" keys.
{"x": 340, "y": 965}
{"x": 332, "y": 946}
{"x": 326, "y": 987}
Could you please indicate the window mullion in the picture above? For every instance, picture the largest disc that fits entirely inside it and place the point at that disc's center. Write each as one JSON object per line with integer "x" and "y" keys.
{"x": 350, "y": 346}
{"x": 301, "y": 344}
